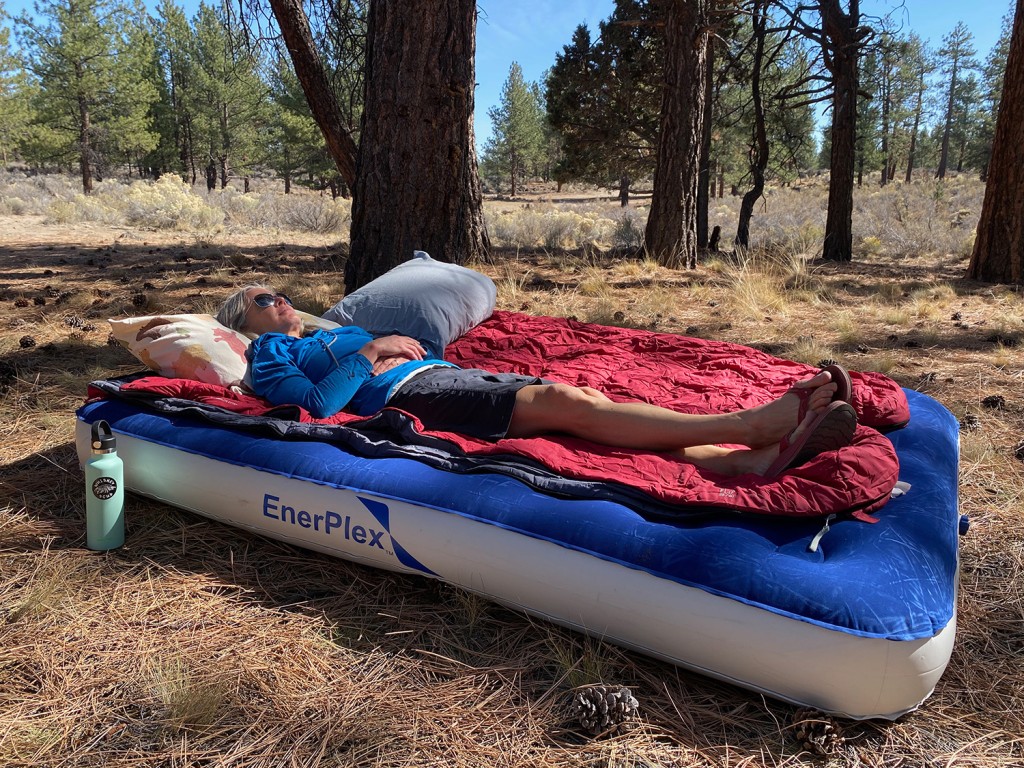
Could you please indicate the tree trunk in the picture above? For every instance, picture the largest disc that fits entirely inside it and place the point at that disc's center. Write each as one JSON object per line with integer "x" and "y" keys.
{"x": 416, "y": 184}
{"x": 315, "y": 84}
{"x": 671, "y": 233}
{"x": 918, "y": 108}
{"x": 624, "y": 182}
{"x": 912, "y": 151}
{"x": 704, "y": 169}
{"x": 759, "y": 159}
{"x": 84, "y": 145}
{"x": 886, "y": 101}
{"x": 998, "y": 255}
{"x": 841, "y": 32}
{"x": 940, "y": 172}
{"x": 211, "y": 176}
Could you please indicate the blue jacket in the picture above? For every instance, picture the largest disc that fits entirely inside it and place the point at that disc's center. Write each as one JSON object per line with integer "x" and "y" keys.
{"x": 324, "y": 372}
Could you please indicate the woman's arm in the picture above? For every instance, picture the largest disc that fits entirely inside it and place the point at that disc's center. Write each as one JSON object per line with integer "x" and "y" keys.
{"x": 276, "y": 377}
{"x": 282, "y": 383}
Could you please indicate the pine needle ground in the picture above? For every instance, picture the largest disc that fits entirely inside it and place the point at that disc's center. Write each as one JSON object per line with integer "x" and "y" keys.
{"x": 200, "y": 645}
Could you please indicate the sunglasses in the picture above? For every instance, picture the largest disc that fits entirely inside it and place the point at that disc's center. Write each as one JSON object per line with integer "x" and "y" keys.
{"x": 265, "y": 300}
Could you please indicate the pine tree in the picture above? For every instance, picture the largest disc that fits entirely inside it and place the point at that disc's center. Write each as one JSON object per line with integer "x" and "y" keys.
{"x": 992, "y": 74}
{"x": 297, "y": 148}
{"x": 870, "y": 107}
{"x": 93, "y": 108}
{"x": 517, "y": 144}
{"x": 671, "y": 232}
{"x": 916, "y": 66}
{"x": 603, "y": 98}
{"x": 227, "y": 97}
{"x": 999, "y": 245}
{"x": 417, "y": 184}
{"x": 957, "y": 53}
{"x": 176, "y": 119}
{"x": 15, "y": 97}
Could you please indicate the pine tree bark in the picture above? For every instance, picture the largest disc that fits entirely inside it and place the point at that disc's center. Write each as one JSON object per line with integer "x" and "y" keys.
{"x": 704, "y": 171}
{"x": 323, "y": 104}
{"x": 671, "y": 233}
{"x": 841, "y": 30}
{"x": 998, "y": 255}
{"x": 416, "y": 184}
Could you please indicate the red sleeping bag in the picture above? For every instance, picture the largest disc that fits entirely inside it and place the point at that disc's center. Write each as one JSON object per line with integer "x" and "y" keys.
{"x": 685, "y": 374}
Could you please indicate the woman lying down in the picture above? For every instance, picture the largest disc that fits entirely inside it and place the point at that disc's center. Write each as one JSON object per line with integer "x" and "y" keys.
{"x": 327, "y": 371}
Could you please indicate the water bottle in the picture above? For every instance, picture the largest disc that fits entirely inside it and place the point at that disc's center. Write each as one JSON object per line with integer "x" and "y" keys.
{"x": 104, "y": 491}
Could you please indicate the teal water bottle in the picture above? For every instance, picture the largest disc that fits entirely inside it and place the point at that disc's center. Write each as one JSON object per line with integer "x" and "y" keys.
{"x": 104, "y": 491}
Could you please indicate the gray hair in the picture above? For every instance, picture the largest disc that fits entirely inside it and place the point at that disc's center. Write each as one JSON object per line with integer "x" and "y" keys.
{"x": 232, "y": 311}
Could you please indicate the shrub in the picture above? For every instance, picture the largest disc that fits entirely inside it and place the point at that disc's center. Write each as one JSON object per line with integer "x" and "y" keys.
{"x": 317, "y": 214}
{"x": 629, "y": 231}
{"x": 168, "y": 204}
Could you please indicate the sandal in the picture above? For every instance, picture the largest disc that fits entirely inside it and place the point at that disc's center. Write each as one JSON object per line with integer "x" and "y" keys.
{"x": 844, "y": 383}
{"x": 830, "y": 430}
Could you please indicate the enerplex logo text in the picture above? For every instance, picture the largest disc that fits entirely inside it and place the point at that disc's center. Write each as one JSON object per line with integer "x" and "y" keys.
{"x": 336, "y": 525}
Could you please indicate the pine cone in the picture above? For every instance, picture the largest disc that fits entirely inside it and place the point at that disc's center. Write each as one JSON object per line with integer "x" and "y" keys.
{"x": 21, "y": 303}
{"x": 600, "y": 708}
{"x": 994, "y": 401}
{"x": 817, "y": 733}
{"x": 26, "y": 342}
{"x": 1018, "y": 451}
{"x": 957, "y": 316}
{"x": 39, "y": 301}
{"x": 970, "y": 422}
{"x": 73, "y": 321}
{"x": 139, "y": 300}
{"x": 825, "y": 363}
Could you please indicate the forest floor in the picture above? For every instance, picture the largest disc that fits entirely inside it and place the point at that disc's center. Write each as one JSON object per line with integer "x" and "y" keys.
{"x": 199, "y": 644}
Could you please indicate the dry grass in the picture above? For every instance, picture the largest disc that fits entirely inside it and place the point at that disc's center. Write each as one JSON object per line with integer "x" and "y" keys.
{"x": 200, "y": 645}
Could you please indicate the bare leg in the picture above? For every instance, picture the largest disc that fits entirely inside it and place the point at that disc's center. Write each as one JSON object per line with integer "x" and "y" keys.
{"x": 587, "y": 413}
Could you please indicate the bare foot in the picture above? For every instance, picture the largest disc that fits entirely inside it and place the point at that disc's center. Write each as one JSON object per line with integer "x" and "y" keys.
{"x": 769, "y": 423}
{"x": 731, "y": 461}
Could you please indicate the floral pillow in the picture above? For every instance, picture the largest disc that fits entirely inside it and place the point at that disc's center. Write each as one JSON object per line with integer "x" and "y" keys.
{"x": 194, "y": 347}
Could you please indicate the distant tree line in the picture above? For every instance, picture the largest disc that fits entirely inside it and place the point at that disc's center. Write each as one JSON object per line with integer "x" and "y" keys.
{"x": 596, "y": 117}
{"x": 692, "y": 97}
{"x": 101, "y": 85}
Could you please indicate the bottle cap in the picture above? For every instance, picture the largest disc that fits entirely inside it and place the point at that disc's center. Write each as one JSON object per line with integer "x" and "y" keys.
{"x": 103, "y": 440}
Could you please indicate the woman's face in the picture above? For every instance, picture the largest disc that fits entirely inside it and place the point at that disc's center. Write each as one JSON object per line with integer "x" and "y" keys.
{"x": 279, "y": 317}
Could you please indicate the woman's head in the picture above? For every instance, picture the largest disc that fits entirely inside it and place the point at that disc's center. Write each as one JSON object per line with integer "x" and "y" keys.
{"x": 257, "y": 309}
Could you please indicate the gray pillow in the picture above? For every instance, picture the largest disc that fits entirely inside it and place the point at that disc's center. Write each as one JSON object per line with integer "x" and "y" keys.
{"x": 432, "y": 301}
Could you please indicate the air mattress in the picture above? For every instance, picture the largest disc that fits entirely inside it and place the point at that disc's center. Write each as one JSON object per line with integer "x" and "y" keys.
{"x": 861, "y": 625}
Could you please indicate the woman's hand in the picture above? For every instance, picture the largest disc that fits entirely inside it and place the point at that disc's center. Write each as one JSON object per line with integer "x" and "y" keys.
{"x": 393, "y": 346}
{"x": 387, "y": 363}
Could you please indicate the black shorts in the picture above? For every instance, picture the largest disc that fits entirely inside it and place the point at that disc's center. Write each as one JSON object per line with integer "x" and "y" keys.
{"x": 468, "y": 401}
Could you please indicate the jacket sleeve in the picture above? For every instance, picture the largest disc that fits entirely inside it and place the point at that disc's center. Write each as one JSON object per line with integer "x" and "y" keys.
{"x": 277, "y": 378}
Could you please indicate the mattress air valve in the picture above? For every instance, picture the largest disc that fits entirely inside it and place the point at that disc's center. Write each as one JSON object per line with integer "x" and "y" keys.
{"x": 104, "y": 491}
